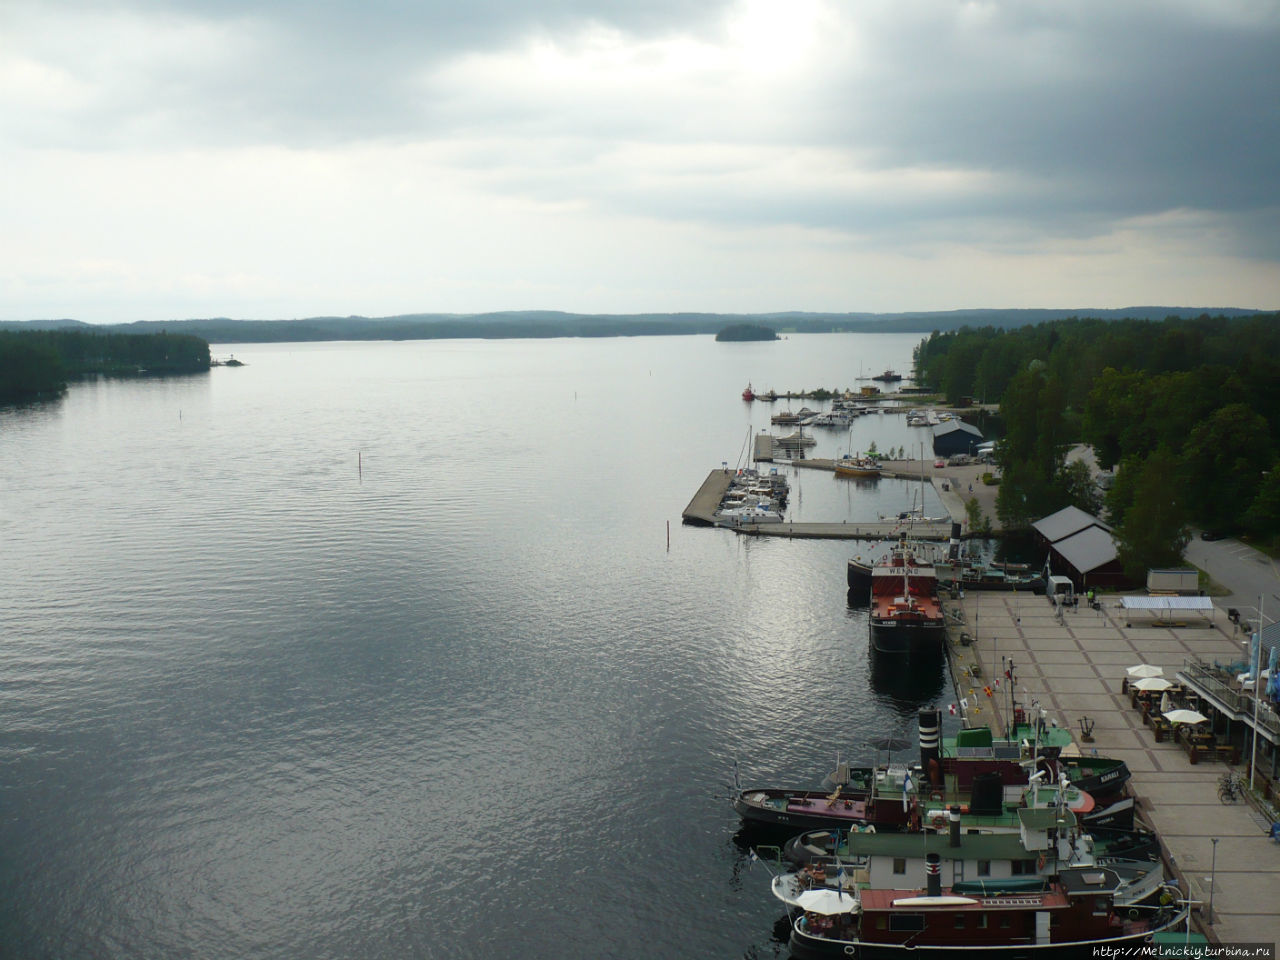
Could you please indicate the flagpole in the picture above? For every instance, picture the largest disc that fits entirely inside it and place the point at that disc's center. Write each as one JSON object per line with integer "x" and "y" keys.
{"x": 1257, "y": 682}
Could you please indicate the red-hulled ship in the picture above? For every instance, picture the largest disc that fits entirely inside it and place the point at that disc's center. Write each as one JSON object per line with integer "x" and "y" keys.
{"x": 1072, "y": 916}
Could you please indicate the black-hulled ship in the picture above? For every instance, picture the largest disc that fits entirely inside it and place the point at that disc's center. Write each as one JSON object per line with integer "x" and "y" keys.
{"x": 906, "y": 613}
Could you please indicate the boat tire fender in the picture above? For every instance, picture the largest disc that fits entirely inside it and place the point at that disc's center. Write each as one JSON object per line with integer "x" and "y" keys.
{"x": 851, "y": 951}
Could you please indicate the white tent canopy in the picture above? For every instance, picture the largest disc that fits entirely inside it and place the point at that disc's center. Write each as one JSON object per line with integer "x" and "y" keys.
{"x": 1158, "y": 610}
{"x": 1166, "y": 603}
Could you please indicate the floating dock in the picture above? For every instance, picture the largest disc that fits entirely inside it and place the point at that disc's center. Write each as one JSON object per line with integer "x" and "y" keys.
{"x": 701, "y": 511}
{"x": 763, "y": 447}
{"x": 855, "y": 530}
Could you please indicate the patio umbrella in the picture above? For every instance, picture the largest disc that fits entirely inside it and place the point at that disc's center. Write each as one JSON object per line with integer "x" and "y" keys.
{"x": 888, "y": 744}
{"x": 1185, "y": 716}
{"x": 826, "y": 901}
{"x": 1152, "y": 683}
{"x": 1164, "y": 704}
{"x": 1142, "y": 670}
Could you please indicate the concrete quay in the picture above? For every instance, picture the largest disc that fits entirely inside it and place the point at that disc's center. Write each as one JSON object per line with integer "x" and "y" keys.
{"x": 1074, "y": 666}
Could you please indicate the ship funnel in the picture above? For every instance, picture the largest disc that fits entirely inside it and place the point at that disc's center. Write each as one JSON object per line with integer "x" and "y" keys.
{"x": 933, "y": 874}
{"x": 930, "y": 745}
{"x": 953, "y": 819}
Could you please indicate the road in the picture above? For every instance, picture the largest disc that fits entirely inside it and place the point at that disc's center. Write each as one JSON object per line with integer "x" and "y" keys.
{"x": 1252, "y": 577}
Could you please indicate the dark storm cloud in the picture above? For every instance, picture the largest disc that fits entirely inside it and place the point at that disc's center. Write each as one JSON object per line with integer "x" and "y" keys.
{"x": 1131, "y": 109}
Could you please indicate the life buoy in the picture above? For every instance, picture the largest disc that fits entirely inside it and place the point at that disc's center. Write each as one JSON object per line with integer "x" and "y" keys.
{"x": 938, "y": 821}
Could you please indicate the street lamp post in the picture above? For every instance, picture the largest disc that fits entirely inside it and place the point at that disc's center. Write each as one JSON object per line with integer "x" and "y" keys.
{"x": 1213, "y": 882}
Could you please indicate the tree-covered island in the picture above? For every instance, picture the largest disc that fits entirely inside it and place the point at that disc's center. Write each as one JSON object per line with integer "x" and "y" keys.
{"x": 40, "y": 363}
{"x": 744, "y": 332}
{"x": 1187, "y": 413}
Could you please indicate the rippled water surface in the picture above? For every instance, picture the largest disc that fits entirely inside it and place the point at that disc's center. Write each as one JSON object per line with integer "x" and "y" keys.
{"x": 400, "y": 649}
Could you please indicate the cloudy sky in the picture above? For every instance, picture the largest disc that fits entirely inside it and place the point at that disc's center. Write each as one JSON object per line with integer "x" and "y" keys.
{"x": 284, "y": 158}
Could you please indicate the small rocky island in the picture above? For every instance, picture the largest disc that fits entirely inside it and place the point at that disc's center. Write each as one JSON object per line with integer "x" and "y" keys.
{"x": 739, "y": 332}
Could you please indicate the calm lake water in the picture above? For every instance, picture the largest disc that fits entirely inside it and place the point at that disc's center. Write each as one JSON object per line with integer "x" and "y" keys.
{"x": 381, "y": 650}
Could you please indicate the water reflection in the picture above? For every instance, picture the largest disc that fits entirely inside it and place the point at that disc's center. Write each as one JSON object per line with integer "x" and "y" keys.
{"x": 912, "y": 680}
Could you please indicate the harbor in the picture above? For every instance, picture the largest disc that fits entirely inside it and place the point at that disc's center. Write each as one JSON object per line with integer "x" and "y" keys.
{"x": 1073, "y": 683}
{"x": 1068, "y": 662}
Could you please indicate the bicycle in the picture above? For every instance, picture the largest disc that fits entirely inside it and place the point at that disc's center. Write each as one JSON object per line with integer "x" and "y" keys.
{"x": 1230, "y": 788}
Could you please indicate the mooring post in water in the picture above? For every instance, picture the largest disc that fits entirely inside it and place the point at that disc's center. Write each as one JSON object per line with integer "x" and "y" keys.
{"x": 668, "y": 536}
{"x": 360, "y": 465}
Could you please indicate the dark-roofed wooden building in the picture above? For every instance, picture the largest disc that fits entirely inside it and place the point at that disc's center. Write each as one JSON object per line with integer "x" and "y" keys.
{"x": 1081, "y": 546}
{"x": 955, "y": 436}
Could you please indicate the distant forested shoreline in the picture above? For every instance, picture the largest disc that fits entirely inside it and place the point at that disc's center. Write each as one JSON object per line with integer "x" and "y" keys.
{"x": 40, "y": 363}
{"x": 536, "y": 324}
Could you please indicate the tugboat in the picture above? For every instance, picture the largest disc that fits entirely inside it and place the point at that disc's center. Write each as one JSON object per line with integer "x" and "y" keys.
{"x": 748, "y": 394}
{"x": 1070, "y": 916}
{"x": 1042, "y": 842}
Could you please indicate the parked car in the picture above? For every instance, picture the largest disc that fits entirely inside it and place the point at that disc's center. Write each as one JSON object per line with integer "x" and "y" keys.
{"x": 939, "y": 462}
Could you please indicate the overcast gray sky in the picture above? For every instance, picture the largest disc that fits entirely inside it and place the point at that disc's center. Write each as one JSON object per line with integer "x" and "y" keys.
{"x": 284, "y": 158}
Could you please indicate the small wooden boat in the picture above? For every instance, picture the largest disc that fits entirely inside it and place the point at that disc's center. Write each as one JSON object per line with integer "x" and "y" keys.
{"x": 860, "y": 467}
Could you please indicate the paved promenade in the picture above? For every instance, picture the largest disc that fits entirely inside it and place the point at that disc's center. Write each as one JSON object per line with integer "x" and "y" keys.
{"x": 1075, "y": 667}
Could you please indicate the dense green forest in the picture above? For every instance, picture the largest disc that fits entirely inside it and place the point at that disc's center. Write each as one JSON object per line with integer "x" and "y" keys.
{"x": 741, "y": 332}
{"x": 39, "y": 363}
{"x": 1187, "y": 411}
